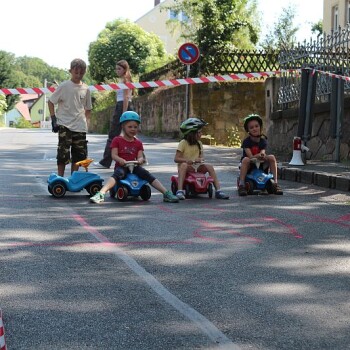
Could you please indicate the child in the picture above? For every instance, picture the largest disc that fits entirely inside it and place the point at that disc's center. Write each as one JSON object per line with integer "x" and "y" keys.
{"x": 123, "y": 99}
{"x": 127, "y": 147}
{"x": 190, "y": 151}
{"x": 72, "y": 117}
{"x": 254, "y": 146}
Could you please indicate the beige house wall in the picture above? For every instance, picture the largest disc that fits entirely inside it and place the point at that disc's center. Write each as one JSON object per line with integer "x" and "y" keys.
{"x": 155, "y": 21}
{"x": 329, "y": 7}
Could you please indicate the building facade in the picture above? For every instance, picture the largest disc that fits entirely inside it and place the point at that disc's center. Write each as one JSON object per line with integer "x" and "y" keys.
{"x": 335, "y": 13}
{"x": 155, "y": 21}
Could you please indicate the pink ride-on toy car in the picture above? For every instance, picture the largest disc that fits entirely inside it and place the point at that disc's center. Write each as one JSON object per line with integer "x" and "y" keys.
{"x": 195, "y": 183}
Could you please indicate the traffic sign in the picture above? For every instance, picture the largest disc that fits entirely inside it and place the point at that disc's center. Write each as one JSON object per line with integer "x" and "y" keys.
{"x": 188, "y": 53}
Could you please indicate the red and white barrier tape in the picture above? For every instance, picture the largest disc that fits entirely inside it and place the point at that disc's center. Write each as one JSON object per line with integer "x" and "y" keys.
{"x": 2, "y": 334}
{"x": 148, "y": 84}
{"x": 161, "y": 83}
{"x": 333, "y": 75}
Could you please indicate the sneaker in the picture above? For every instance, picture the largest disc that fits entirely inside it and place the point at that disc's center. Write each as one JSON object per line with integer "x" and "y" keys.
{"x": 100, "y": 166}
{"x": 98, "y": 198}
{"x": 277, "y": 189}
{"x": 221, "y": 195}
{"x": 169, "y": 197}
{"x": 242, "y": 191}
{"x": 180, "y": 194}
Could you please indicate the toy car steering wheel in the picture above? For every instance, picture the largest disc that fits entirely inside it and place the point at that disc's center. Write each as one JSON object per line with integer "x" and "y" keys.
{"x": 85, "y": 163}
{"x": 256, "y": 162}
{"x": 196, "y": 165}
{"x": 130, "y": 164}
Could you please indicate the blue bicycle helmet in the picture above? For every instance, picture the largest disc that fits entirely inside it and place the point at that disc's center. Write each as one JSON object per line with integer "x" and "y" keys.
{"x": 128, "y": 116}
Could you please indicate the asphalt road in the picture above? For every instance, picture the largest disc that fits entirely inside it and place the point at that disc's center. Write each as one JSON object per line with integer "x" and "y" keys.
{"x": 259, "y": 272}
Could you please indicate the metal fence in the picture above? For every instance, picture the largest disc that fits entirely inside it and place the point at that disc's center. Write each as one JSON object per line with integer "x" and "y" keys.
{"x": 225, "y": 62}
{"x": 328, "y": 53}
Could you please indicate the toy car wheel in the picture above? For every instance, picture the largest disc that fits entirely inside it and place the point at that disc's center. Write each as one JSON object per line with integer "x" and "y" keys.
{"x": 145, "y": 192}
{"x": 58, "y": 190}
{"x": 250, "y": 186}
{"x": 94, "y": 188}
{"x": 187, "y": 190}
{"x": 49, "y": 189}
{"x": 174, "y": 187}
{"x": 269, "y": 187}
{"x": 122, "y": 193}
{"x": 210, "y": 190}
{"x": 112, "y": 192}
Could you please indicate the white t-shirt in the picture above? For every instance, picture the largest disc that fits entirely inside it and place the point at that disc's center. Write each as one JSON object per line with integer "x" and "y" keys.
{"x": 72, "y": 100}
{"x": 120, "y": 95}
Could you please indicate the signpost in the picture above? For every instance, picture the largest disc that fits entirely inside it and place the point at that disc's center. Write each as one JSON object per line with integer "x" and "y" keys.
{"x": 188, "y": 54}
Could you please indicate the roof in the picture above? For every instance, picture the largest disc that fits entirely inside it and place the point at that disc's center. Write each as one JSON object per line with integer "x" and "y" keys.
{"x": 24, "y": 110}
{"x": 28, "y": 97}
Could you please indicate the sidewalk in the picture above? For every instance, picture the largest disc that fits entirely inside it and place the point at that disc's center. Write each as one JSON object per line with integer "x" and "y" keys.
{"x": 321, "y": 173}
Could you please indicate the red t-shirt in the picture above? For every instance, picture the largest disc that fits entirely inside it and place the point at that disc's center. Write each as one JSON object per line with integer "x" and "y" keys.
{"x": 127, "y": 150}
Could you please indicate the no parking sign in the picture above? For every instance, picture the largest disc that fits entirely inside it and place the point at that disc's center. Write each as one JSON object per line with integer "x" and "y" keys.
{"x": 188, "y": 53}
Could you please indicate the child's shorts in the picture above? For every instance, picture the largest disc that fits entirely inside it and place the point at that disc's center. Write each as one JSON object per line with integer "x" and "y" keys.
{"x": 72, "y": 146}
{"x": 120, "y": 173}
{"x": 263, "y": 166}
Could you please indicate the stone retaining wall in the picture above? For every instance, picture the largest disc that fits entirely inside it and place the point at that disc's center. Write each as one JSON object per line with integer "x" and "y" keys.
{"x": 222, "y": 105}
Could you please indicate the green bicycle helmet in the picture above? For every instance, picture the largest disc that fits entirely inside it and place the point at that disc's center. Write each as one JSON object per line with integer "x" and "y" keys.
{"x": 252, "y": 117}
{"x": 192, "y": 124}
{"x": 129, "y": 115}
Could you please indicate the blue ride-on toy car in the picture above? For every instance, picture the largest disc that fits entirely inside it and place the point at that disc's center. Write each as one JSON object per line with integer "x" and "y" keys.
{"x": 258, "y": 180}
{"x": 131, "y": 185}
{"x": 79, "y": 180}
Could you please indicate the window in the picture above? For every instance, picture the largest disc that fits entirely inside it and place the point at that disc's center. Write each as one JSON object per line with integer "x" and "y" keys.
{"x": 348, "y": 12}
{"x": 184, "y": 17}
{"x": 172, "y": 14}
{"x": 335, "y": 18}
{"x": 180, "y": 16}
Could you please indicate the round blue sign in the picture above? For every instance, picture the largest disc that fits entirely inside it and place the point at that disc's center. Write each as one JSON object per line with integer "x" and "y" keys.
{"x": 188, "y": 53}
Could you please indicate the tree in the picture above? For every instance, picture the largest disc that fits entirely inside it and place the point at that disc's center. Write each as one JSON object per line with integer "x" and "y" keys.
{"x": 26, "y": 72}
{"x": 122, "y": 39}
{"x": 7, "y": 61}
{"x": 283, "y": 34}
{"x": 33, "y": 70}
{"x": 317, "y": 28}
{"x": 216, "y": 25}
{"x": 3, "y": 108}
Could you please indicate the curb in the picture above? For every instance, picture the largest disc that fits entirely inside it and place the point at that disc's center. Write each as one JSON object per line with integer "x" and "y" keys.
{"x": 2, "y": 333}
{"x": 321, "y": 179}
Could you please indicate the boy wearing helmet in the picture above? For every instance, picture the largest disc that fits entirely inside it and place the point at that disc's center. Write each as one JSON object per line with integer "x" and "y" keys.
{"x": 254, "y": 146}
{"x": 190, "y": 151}
{"x": 127, "y": 147}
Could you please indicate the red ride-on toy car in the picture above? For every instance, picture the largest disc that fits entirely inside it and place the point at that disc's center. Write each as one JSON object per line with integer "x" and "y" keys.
{"x": 195, "y": 183}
